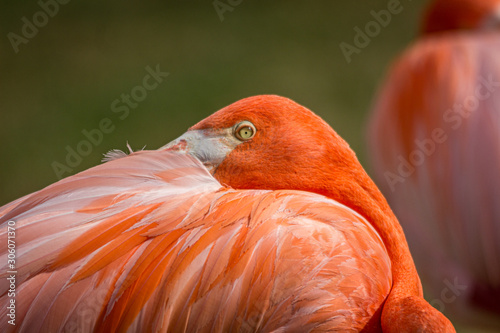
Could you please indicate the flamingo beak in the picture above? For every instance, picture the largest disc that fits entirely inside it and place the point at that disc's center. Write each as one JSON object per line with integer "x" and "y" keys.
{"x": 210, "y": 146}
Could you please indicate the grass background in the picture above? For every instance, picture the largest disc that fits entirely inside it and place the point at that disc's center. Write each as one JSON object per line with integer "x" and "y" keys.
{"x": 66, "y": 77}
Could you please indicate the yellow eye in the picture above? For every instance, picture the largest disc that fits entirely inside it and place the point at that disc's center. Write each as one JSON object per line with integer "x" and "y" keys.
{"x": 244, "y": 131}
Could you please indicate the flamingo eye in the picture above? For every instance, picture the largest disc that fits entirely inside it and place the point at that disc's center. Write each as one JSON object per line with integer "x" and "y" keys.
{"x": 245, "y": 130}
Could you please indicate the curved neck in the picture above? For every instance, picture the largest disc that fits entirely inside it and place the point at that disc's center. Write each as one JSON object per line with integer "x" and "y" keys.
{"x": 361, "y": 194}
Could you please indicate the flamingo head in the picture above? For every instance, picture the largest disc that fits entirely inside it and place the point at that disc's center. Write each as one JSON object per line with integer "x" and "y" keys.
{"x": 268, "y": 142}
{"x": 444, "y": 15}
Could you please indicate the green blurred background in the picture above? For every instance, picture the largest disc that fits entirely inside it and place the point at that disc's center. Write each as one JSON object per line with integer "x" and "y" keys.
{"x": 65, "y": 78}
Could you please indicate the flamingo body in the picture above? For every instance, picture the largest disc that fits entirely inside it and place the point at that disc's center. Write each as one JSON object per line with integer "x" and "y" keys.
{"x": 434, "y": 140}
{"x": 258, "y": 218}
{"x": 160, "y": 245}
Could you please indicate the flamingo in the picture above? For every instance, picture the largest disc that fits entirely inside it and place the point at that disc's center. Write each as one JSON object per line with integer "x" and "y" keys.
{"x": 258, "y": 218}
{"x": 434, "y": 139}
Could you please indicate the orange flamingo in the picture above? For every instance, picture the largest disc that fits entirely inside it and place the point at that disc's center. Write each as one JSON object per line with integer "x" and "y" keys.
{"x": 434, "y": 140}
{"x": 259, "y": 218}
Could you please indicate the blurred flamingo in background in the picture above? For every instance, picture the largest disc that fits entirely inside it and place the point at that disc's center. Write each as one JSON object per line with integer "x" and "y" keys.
{"x": 259, "y": 218}
{"x": 434, "y": 140}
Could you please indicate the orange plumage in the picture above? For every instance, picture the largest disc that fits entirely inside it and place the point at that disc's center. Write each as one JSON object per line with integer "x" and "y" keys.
{"x": 279, "y": 231}
{"x": 434, "y": 140}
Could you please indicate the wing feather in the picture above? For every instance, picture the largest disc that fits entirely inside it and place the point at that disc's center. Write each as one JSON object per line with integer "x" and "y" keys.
{"x": 153, "y": 242}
